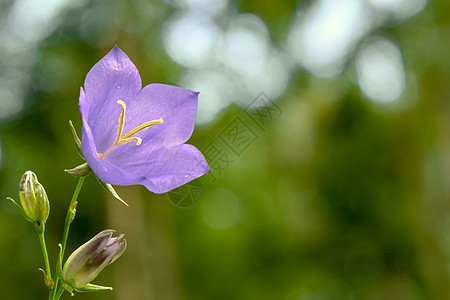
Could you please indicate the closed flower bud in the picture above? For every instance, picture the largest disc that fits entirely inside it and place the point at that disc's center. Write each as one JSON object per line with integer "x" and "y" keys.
{"x": 91, "y": 258}
{"x": 34, "y": 200}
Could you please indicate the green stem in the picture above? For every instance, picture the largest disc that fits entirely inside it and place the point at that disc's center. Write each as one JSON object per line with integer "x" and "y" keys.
{"x": 69, "y": 218}
{"x": 70, "y": 214}
{"x": 45, "y": 253}
{"x": 60, "y": 292}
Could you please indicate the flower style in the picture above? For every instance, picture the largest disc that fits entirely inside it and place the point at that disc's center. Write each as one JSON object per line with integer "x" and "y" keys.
{"x": 133, "y": 136}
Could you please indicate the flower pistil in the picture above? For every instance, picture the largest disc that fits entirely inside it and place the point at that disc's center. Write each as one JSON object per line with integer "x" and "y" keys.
{"x": 129, "y": 136}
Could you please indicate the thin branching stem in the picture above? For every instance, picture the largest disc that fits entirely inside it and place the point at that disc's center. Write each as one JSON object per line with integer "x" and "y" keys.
{"x": 60, "y": 292}
{"x": 69, "y": 218}
{"x": 45, "y": 253}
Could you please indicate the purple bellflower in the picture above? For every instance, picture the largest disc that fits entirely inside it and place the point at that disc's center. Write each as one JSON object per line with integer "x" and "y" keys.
{"x": 137, "y": 136}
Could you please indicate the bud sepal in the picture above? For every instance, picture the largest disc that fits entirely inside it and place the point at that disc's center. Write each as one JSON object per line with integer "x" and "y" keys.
{"x": 82, "y": 170}
{"x": 76, "y": 139}
{"x": 110, "y": 189}
{"x": 85, "y": 289}
{"x": 20, "y": 209}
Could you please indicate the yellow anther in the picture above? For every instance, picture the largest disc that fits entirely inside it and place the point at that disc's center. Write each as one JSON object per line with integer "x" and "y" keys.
{"x": 121, "y": 119}
{"x": 136, "y": 139}
{"x": 142, "y": 127}
{"x": 129, "y": 136}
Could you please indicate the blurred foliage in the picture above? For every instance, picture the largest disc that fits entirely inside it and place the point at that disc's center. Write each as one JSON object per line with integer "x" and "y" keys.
{"x": 338, "y": 198}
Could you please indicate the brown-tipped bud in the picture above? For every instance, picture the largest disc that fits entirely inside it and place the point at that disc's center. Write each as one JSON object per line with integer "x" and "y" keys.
{"x": 34, "y": 199}
{"x": 85, "y": 263}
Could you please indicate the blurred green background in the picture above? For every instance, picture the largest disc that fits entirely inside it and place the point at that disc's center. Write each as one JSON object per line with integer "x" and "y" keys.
{"x": 342, "y": 193}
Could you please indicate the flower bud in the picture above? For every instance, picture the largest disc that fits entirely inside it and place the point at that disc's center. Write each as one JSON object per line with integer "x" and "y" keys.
{"x": 85, "y": 263}
{"x": 34, "y": 199}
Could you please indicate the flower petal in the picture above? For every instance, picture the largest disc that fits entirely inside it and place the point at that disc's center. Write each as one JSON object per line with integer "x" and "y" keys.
{"x": 175, "y": 105}
{"x": 104, "y": 170}
{"x": 113, "y": 78}
{"x": 84, "y": 254}
{"x": 166, "y": 168}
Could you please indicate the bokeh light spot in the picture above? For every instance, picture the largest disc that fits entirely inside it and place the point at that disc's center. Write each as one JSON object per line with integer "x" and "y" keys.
{"x": 401, "y": 9}
{"x": 214, "y": 87}
{"x": 211, "y": 7}
{"x": 323, "y": 37}
{"x": 380, "y": 70}
{"x": 11, "y": 101}
{"x": 32, "y": 20}
{"x": 220, "y": 209}
{"x": 246, "y": 45}
{"x": 190, "y": 39}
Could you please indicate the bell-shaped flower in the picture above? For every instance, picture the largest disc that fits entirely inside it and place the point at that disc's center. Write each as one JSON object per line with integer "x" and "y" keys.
{"x": 137, "y": 136}
{"x": 85, "y": 263}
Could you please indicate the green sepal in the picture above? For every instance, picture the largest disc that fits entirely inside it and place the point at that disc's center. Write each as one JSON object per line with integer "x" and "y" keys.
{"x": 92, "y": 288}
{"x": 59, "y": 270}
{"x": 76, "y": 139}
{"x": 108, "y": 187}
{"x": 84, "y": 289}
{"x": 20, "y": 209}
{"x": 67, "y": 287}
{"x": 82, "y": 170}
{"x": 47, "y": 282}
